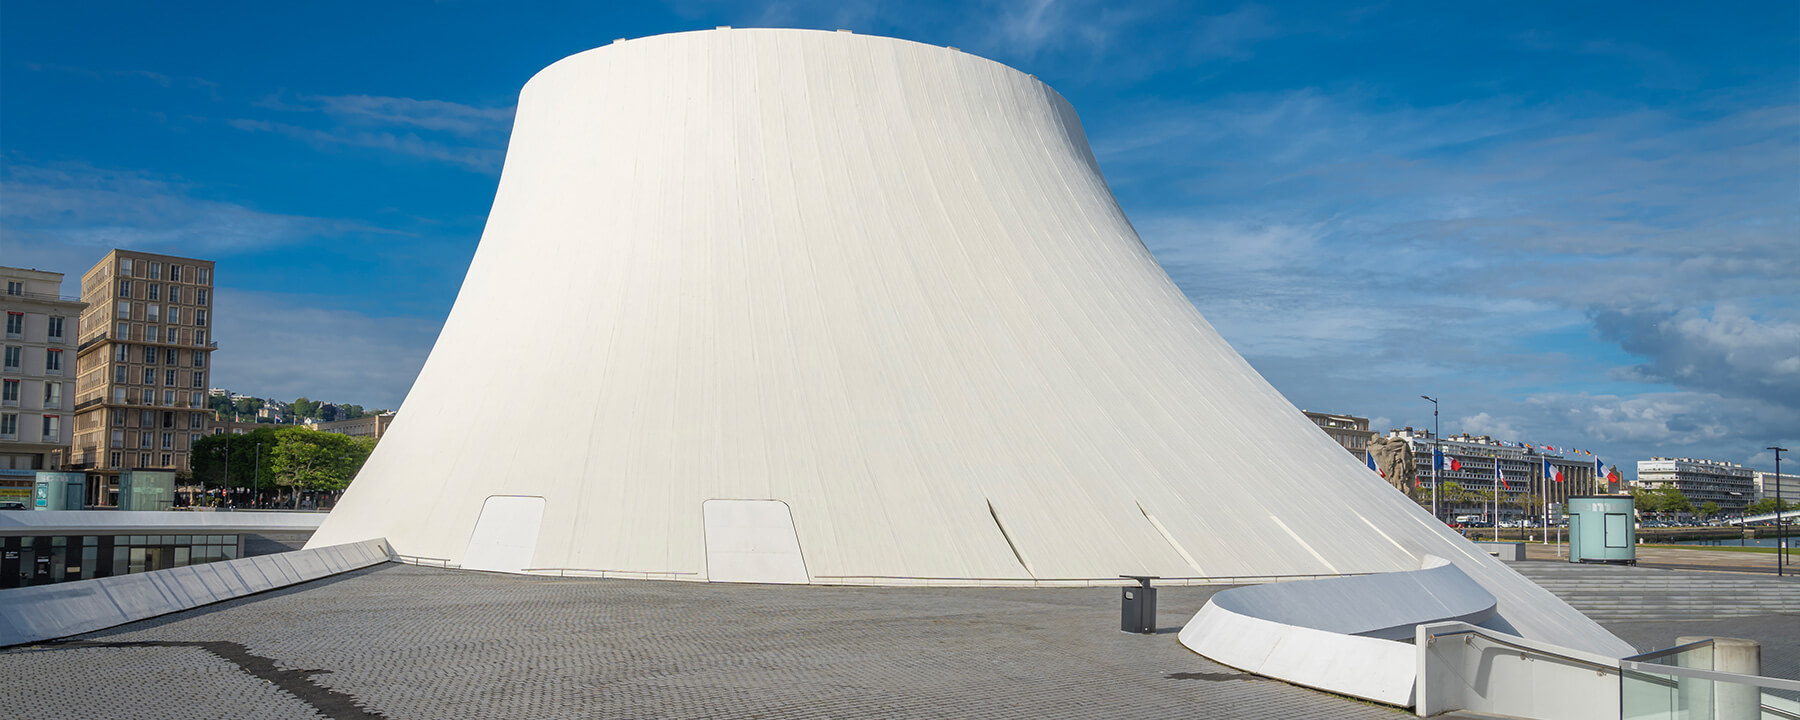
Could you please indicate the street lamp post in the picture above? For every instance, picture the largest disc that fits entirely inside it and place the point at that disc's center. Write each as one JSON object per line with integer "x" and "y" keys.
{"x": 1780, "y": 538}
{"x": 258, "y": 472}
{"x": 1434, "y": 457}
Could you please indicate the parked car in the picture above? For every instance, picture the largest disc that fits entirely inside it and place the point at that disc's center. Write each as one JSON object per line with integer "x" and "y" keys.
{"x": 12, "y": 505}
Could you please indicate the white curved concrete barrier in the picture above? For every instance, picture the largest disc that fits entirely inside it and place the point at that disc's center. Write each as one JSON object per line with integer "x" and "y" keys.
{"x": 1345, "y": 635}
{"x": 47, "y": 612}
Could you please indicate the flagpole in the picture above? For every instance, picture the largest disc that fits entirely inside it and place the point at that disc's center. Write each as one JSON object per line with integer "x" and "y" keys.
{"x": 1434, "y": 457}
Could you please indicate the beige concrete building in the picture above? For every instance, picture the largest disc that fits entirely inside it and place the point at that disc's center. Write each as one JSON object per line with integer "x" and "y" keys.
{"x": 367, "y": 426}
{"x": 37, "y": 379}
{"x": 1348, "y": 430}
{"x": 146, "y": 347}
{"x": 1730, "y": 485}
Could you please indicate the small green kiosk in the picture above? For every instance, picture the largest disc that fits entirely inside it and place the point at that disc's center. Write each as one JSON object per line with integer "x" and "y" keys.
{"x": 59, "y": 490}
{"x": 146, "y": 489}
{"x": 1602, "y": 529}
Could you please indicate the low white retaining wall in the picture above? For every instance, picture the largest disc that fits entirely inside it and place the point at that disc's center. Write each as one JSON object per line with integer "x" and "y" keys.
{"x": 1464, "y": 667}
{"x": 1346, "y": 635}
{"x": 47, "y": 612}
{"x": 153, "y": 522}
{"x": 1508, "y": 551}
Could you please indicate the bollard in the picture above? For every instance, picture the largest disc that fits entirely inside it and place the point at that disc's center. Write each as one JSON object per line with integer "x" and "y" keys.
{"x": 1732, "y": 701}
{"x": 1137, "y": 606}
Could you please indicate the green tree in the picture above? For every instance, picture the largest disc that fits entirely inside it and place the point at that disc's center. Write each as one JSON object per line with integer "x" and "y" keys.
{"x": 1709, "y": 509}
{"x": 306, "y": 459}
{"x": 210, "y": 452}
{"x": 1766, "y": 506}
{"x": 1675, "y": 501}
{"x": 304, "y": 408}
{"x": 1649, "y": 501}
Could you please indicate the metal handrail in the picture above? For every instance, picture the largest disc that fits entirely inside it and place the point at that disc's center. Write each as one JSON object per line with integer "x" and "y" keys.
{"x": 1524, "y": 648}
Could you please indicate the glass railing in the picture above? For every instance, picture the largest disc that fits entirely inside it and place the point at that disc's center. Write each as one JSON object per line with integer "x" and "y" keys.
{"x": 1681, "y": 683}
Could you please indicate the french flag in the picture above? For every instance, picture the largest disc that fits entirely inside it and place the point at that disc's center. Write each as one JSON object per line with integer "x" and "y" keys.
{"x": 1501, "y": 475}
{"x": 1372, "y": 465}
{"x": 1551, "y": 471}
{"x": 1599, "y": 467}
{"x": 1447, "y": 463}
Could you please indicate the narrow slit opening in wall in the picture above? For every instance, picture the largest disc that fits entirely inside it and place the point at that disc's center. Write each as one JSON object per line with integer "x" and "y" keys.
{"x": 1009, "y": 540}
{"x": 1179, "y": 550}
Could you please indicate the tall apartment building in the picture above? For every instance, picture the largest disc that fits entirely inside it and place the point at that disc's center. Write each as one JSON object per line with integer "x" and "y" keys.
{"x": 1350, "y": 431}
{"x": 146, "y": 346}
{"x": 1727, "y": 484}
{"x": 37, "y": 379}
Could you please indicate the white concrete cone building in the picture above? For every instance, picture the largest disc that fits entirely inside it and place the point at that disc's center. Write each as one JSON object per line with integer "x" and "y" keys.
{"x": 801, "y": 306}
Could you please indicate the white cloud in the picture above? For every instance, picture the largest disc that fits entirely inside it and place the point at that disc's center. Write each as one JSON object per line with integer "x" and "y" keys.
{"x": 287, "y": 346}
{"x": 90, "y": 208}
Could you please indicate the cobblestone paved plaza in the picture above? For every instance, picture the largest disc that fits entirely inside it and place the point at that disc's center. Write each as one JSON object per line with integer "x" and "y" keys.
{"x": 407, "y": 642}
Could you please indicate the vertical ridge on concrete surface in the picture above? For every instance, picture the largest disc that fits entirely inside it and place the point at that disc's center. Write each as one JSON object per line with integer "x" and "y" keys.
{"x": 880, "y": 281}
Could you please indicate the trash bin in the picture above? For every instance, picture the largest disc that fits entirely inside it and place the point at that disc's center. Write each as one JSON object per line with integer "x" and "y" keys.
{"x": 1137, "y": 606}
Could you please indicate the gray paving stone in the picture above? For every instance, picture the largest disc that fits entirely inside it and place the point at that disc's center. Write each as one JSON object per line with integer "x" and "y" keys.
{"x": 412, "y": 642}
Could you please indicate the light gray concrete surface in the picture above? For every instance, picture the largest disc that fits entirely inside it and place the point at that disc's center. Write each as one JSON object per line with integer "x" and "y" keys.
{"x": 412, "y": 642}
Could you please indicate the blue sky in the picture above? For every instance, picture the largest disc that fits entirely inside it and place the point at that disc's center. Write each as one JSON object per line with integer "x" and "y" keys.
{"x": 1577, "y": 223}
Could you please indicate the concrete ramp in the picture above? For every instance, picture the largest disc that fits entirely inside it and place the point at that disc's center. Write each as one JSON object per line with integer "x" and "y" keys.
{"x": 1345, "y": 635}
{"x": 47, "y": 612}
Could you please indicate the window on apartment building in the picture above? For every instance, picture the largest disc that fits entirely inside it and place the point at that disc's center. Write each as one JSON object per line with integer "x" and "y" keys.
{"x": 155, "y": 313}
{"x": 146, "y": 418}
{"x": 53, "y": 361}
{"x": 122, "y": 353}
{"x": 205, "y": 276}
{"x": 150, "y": 355}
{"x": 52, "y": 396}
{"x": 118, "y": 416}
{"x": 145, "y": 439}
{"x": 15, "y": 288}
{"x": 144, "y": 458}
{"x": 199, "y": 358}
{"x": 200, "y": 317}
{"x": 123, "y": 310}
{"x": 15, "y": 325}
{"x": 169, "y": 377}
{"x": 13, "y": 357}
{"x": 200, "y": 296}
{"x": 155, "y": 291}
{"x": 174, "y": 273}
{"x": 169, "y": 398}
{"x": 196, "y": 401}
{"x": 9, "y": 392}
{"x": 52, "y": 428}
{"x": 155, "y": 271}
{"x": 165, "y": 460}
{"x": 174, "y": 293}
{"x": 123, "y": 331}
{"x": 149, "y": 376}
{"x": 124, "y": 288}
{"x": 124, "y": 266}
{"x": 9, "y": 425}
{"x": 56, "y": 328}
{"x": 119, "y": 396}
{"x": 199, "y": 337}
{"x": 115, "y": 460}
{"x": 195, "y": 420}
{"x": 199, "y": 379}
{"x": 168, "y": 443}
{"x": 169, "y": 356}
{"x": 168, "y": 419}
{"x": 174, "y": 316}
{"x": 152, "y": 333}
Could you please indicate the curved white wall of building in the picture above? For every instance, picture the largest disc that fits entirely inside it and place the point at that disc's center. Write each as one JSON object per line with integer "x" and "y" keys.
{"x": 883, "y": 283}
